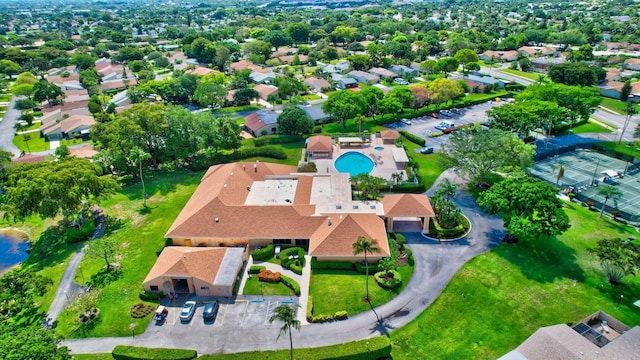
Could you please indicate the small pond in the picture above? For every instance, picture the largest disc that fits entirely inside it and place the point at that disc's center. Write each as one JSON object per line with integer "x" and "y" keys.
{"x": 13, "y": 248}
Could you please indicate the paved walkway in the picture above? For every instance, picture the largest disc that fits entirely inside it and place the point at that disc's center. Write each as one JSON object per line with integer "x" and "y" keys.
{"x": 6, "y": 127}
{"x": 436, "y": 264}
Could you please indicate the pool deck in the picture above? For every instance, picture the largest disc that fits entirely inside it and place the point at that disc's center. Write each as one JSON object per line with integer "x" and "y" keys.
{"x": 385, "y": 165}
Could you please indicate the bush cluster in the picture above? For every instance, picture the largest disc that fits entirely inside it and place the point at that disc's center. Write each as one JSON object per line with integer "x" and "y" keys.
{"x": 74, "y": 235}
{"x": 294, "y": 265}
{"x": 265, "y": 253}
{"x": 388, "y": 284}
{"x": 276, "y": 139}
{"x": 410, "y": 188}
{"x": 413, "y": 138}
{"x": 320, "y": 318}
{"x": 150, "y": 295}
{"x": 362, "y": 269}
{"x": 123, "y": 352}
{"x": 140, "y": 310}
{"x": 255, "y": 269}
{"x": 436, "y": 229}
{"x": 205, "y": 160}
{"x": 291, "y": 284}
{"x": 267, "y": 275}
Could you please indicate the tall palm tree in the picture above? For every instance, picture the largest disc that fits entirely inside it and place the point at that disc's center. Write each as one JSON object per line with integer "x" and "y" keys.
{"x": 609, "y": 192}
{"x": 137, "y": 157}
{"x": 630, "y": 109}
{"x": 364, "y": 245}
{"x": 560, "y": 173}
{"x": 286, "y": 314}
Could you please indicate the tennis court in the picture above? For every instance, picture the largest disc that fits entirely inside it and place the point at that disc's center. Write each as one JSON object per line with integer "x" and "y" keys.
{"x": 584, "y": 169}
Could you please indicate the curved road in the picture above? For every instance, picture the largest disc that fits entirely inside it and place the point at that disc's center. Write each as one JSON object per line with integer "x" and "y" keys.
{"x": 436, "y": 263}
{"x": 6, "y": 127}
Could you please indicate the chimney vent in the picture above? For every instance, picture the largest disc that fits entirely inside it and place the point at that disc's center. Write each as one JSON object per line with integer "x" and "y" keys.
{"x": 217, "y": 219}
{"x": 329, "y": 221}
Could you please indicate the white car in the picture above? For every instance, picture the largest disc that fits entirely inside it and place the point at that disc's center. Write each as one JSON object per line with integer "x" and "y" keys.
{"x": 446, "y": 113}
{"x": 400, "y": 81}
{"x": 188, "y": 310}
{"x": 405, "y": 121}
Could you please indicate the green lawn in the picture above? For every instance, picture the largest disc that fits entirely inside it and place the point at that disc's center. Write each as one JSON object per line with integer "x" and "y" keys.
{"x": 140, "y": 239}
{"x": 252, "y": 287}
{"x": 633, "y": 150}
{"x": 526, "y": 75}
{"x": 35, "y": 143}
{"x": 336, "y": 290}
{"x": 515, "y": 289}
{"x": 613, "y": 104}
{"x": 293, "y": 151}
{"x": 429, "y": 165}
{"x": 590, "y": 127}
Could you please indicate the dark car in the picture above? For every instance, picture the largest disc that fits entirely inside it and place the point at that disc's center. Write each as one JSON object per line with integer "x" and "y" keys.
{"x": 210, "y": 310}
{"x": 426, "y": 150}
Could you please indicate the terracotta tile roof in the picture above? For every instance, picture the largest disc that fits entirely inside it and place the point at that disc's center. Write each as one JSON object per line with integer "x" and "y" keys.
{"x": 317, "y": 83}
{"x": 29, "y": 158}
{"x": 320, "y": 143}
{"x": 288, "y": 59}
{"x": 181, "y": 261}
{"x": 201, "y": 71}
{"x": 632, "y": 61}
{"x": 389, "y": 134}
{"x": 84, "y": 152}
{"x": 257, "y": 120}
{"x": 265, "y": 90}
{"x": 338, "y": 238}
{"x": 407, "y": 205}
{"x": 118, "y": 84}
{"x": 243, "y": 64}
{"x": 69, "y": 124}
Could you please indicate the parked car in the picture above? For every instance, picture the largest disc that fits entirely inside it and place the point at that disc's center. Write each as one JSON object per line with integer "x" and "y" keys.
{"x": 188, "y": 310}
{"x": 446, "y": 113}
{"x": 160, "y": 314}
{"x": 426, "y": 150}
{"x": 445, "y": 125}
{"x": 405, "y": 121}
{"x": 400, "y": 81}
{"x": 434, "y": 115}
{"x": 210, "y": 310}
{"x": 486, "y": 124}
{"x": 456, "y": 111}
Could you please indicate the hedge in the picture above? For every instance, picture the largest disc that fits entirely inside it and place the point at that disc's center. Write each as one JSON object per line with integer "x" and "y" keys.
{"x": 291, "y": 284}
{"x": 205, "y": 160}
{"x": 265, "y": 253}
{"x": 320, "y": 318}
{"x": 150, "y": 295}
{"x": 373, "y": 268}
{"x": 254, "y": 269}
{"x": 413, "y": 138}
{"x": 276, "y": 139}
{"x": 435, "y": 229}
{"x": 291, "y": 263}
{"x": 373, "y": 348}
{"x": 74, "y": 235}
{"x": 123, "y": 352}
{"x": 404, "y": 188}
{"x": 388, "y": 284}
{"x": 330, "y": 265}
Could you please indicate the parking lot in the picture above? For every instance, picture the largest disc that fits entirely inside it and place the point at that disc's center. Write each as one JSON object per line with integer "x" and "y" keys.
{"x": 232, "y": 314}
{"x": 425, "y": 125}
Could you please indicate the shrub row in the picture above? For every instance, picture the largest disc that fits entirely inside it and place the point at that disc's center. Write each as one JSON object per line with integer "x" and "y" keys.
{"x": 276, "y": 139}
{"x": 150, "y": 295}
{"x": 331, "y": 265}
{"x": 291, "y": 284}
{"x": 374, "y": 348}
{"x": 269, "y": 276}
{"x": 411, "y": 260}
{"x": 564, "y": 127}
{"x": 362, "y": 269}
{"x": 294, "y": 265}
{"x": 435, "y": 228}
{"x": 205, "y": 160}
{"x": 320, "y": 318}
{"x": 388, "y": 284}
{"x": 255, "y": 269}
{"x": 265, "y": 253}
{"x": 418, "y": 140}
{"x": 74, "y": 235}
{"x": 404, "y": 188}
{"x": 123, "y": 352}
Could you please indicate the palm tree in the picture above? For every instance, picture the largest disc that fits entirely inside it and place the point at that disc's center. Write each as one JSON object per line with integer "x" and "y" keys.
{"x": 364, "y": 245}
{"x": 286, "y": 314}
{"x": 609, "y": 191}
{"x": 541, "y": 79}
{"x": 137, "y": 157}
{"x": 560, "y": 174}
{"x": 630, "y": 109}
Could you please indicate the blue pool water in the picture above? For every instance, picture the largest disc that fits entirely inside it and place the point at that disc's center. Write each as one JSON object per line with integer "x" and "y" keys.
{"x": 12, "y": 252}
{"x": 354, "y": 163}
{"x": 379, "y": 148}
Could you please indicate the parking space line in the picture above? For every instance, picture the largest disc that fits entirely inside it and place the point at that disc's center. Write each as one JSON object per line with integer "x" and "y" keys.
{"x": 244, "y": 312}
{"x": 219, "y": 321}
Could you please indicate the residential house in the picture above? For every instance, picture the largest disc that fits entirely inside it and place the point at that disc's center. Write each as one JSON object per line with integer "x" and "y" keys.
{"x": 632, "y": 64}
{"x": 613, "y": 89}
{"x": 315, "y": 113}
{"x": 544, "y": 63}
{"x": 612, "y": 74}
{"x": 29, "y": 158}
{"x": 383, "y": 73}
{"x": 320, "y": 146}
{"x": 340, "y": 67}
{"x": 203, "y": 271}
{"x": 317, "y": 85}
{"x": 264, "y": 91}
{"x": 288, "y": 59}
{"x": 389, "y": 136}
{"x": 598, "y": 337}
{"x": 529, "y": 51}
{"x": 200, "y": 71}
{"x": 118, "y": 84}
{"x": 403, "y": 71}
{"x": 549, "y": 51}
{"x": 255, "y": 203}
{"x": 363, "y": 77}
{"x": 261, "y": 122}
{"x": 491, "y": 55}
{"x": 83, "y": 152}
{"x": 343, "y": 82}
{"x": 121, "y": 99}
{"x": 486, "y": 80}
{"x": 262, "y": 77}
{"x": 243, "y": 64}
{"x": 74, "y": 125}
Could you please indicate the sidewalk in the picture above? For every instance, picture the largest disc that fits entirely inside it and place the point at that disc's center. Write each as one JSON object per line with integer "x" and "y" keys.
{"x": 303, "y": 280}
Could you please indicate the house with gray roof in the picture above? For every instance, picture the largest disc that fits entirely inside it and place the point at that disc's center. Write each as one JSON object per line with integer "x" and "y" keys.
{"x": 363, "y": 77}
{"x": 383, "y": 73}
{"x": 486, "y": 80}
{"x": 315, "y": 113}
{"x": 340, "y": 67}
{"x": 262, "y": 78}
{"x": 343, "y": 82}
{"x": 402, "y": 70}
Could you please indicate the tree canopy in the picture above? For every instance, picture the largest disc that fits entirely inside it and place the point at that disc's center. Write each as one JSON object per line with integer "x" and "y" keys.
{"x": 343, "y": 105}
{"x": 294, "y": 120}
{"x": 580, "y": 101}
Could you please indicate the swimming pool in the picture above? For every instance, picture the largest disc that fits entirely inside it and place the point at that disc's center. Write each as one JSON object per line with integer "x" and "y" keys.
{"x": 379, "y": 148}
{"x": 353, "y": 163}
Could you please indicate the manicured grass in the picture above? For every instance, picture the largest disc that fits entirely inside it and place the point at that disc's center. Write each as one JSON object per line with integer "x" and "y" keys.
{"x": 526, "y": 75}
{"x": 515, "y": 289}
{"x": 613, "y": 104}
{"x": 590, "y": 127}
{"x": 633, "y": 150}
{"x": 252, "y": 287}
{"x": 429, "y": 166}
{"x": 293, "y": 151}
{"x": 235, "y": 109}
{"x": 70, "y": 142}
{"x": 312, "y": 97}
{"x": 36, "y": 143}
{"x": 338, "y": 290}
{"x": 105, "y": 356}
{"x": 482, "y": 96}
{"x": 140, "y": 239}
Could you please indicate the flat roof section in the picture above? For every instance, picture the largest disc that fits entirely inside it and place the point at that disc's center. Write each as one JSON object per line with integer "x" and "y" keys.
{"x": 272, "y": 192}
{"x": 231, "y": 262}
